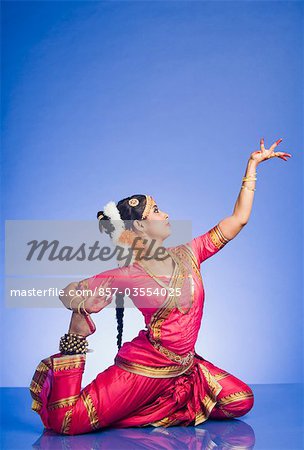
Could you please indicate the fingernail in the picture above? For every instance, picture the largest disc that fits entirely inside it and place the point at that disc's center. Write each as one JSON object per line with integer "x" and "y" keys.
{"x": 279, "y": 140}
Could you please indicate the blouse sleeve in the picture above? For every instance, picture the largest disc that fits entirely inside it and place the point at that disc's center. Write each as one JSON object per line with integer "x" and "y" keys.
{"x": 208, "y": 244}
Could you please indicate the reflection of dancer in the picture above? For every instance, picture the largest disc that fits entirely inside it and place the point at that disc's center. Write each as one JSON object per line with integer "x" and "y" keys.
{"x": 158, "y": 378}
{"x": 225, "y": 434}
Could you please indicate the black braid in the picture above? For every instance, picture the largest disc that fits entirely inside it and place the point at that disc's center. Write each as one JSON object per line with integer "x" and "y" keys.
{"x": 128, "y": 213}
{"x": 119, "y": 317}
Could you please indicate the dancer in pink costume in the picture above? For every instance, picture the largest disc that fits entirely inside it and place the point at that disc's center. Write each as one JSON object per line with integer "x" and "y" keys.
{"x": 158, "y": 378}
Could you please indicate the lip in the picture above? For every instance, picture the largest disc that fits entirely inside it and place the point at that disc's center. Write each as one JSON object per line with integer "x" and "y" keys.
{"x": 168, "y": 224}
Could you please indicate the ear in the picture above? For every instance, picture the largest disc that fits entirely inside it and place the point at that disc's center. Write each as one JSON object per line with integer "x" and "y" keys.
{"x": 138, "y": 226}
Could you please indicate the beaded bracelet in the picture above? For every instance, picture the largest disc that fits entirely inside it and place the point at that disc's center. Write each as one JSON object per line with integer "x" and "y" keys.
{"x": 72, "y": 343}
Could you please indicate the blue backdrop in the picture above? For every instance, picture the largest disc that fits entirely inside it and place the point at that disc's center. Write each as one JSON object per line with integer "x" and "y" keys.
{"x": 101, "y": 100}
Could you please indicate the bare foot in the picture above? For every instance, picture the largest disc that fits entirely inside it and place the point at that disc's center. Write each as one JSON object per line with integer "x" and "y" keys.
{"x": 79, "y": 324}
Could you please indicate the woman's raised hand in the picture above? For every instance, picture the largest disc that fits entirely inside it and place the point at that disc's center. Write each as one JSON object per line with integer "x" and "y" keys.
{"x": 263, "y": 154}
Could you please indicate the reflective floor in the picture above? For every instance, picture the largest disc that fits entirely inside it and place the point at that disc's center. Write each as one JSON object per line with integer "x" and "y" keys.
{"x": 275, "y": 422}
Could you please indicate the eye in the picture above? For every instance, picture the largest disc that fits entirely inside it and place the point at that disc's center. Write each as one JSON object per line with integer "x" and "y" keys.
{"x": 156, "y": 209}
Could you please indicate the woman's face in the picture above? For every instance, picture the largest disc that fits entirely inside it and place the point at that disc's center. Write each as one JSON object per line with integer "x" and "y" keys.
{"x": 157, "y": 224}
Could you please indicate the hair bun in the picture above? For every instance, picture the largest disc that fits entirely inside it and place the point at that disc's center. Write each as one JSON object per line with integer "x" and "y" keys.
{"x": 105, "y": 223}
{"x": 100, "y": 215}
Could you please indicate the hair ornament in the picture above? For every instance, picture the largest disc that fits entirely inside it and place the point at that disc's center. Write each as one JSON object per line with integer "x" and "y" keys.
{"x": 120, "y": 236}
{"x": 111, "y": 210}
{"x": 149, "y": 204}
{"x": 133, "y": 202}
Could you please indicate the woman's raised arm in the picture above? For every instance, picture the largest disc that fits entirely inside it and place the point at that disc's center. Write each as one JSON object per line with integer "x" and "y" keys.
{"x": 232, "y": 225}
{"x": 217, "y": 237}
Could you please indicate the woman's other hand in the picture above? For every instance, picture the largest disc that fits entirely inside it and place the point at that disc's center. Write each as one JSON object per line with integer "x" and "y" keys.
{"x": 78, "y": 294}
{"x": 96, "y": 302}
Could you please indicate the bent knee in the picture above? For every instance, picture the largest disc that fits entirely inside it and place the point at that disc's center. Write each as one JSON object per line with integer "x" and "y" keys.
{"x": 244, "y": 408}
{"x": 239, "y": 403}
{"x": 60, "y": 422}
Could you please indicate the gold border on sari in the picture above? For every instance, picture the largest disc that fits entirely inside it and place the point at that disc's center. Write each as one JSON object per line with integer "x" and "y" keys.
{"x": 66, "y": 362}
{"x": 217, "y": 237}
{"x": 194, "y": 265}
{"x": 91, "y": 410}
{"x": 235, "y": 397}
{"x": 37, "y": 382}
{"x": 208, "y": 401}
{"x": 68, "y": 401}
{"x": 151, "y": 371}
{"x": 166, "y": 422}
{"x": 162, "y": 313}
{"x": 66, "y": 423}
{"x": 220, "y": 376}
{"x": 36, "y": 405}
{"x": 154, "y": 329}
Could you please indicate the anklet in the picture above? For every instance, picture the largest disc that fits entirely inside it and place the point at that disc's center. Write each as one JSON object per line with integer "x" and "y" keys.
{"x": 72, "y": 344}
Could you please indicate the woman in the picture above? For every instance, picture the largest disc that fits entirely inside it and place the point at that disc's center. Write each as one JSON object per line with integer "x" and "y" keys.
{"x": 157, "y": 378}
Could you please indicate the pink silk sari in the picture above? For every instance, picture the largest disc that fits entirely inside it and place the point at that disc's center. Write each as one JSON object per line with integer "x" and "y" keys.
{"x": 158, "y": 378}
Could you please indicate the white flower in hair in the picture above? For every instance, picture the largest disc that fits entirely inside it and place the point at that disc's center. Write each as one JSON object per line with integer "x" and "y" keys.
{"x": 111, "y": 210}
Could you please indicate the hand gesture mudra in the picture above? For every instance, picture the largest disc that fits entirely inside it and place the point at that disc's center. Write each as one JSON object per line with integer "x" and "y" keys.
{"x": 83, "y": 302}
{"x": 99, "y": 300}
{"x": 263, "y": 154}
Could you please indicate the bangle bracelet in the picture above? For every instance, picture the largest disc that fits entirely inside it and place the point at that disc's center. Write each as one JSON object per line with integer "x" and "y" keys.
{"x": 76, "y": 296}
{"x": 249, "y": 179}
{"x": 249, "y": 189}
{"x": 81, "y": 305}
